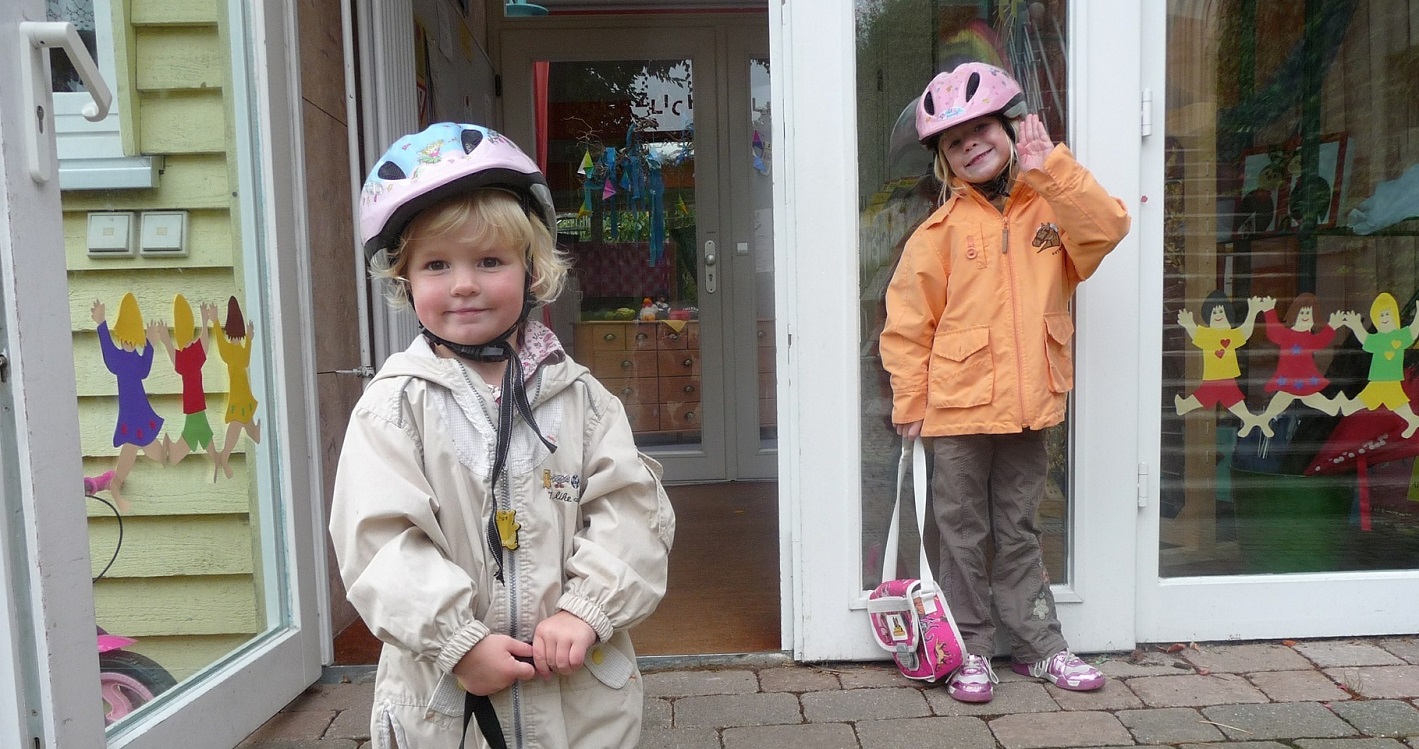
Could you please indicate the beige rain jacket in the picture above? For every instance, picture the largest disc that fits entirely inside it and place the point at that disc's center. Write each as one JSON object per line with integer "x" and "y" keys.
{"x": 410, "y": 510}
{"x": 978, "y": 335}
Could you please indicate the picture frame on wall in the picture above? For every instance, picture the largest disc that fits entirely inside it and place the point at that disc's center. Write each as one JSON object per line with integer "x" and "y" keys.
{"x": 1277, "y": 197}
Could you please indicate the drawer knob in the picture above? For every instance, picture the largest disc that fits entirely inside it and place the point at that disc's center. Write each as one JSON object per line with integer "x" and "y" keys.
{"x": 673, "y": 336}
{"x": 609, "y": 337}
{"x": 689, "y": 388}
{"x": 641, "y": 336}
{"x": 625, "y": 364}
{"x": 762, "y": 334}
{"x": 689, "y": 362}
{"x": 689, "y": 416}
{"x": 627, "y": 391}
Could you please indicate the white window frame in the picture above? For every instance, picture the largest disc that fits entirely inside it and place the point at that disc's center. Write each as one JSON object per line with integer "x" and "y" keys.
{"x": 91, "y": 154}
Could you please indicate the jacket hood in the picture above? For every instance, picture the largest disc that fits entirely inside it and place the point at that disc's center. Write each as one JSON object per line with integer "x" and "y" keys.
{"x": 420, "y": 361}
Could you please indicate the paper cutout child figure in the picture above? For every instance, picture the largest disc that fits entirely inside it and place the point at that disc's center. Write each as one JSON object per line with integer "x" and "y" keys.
{"x": 1297, "y": 377}
{"x": 128, "y": 354}
{"x": 187, "y": 349}
{"x": 1219, "y": 338}
{"x": 234, "y": 346}
{"x": 1387, "y": 344}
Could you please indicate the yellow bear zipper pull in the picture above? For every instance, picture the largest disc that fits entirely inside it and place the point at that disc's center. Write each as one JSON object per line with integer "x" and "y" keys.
{"x": 507, "y": 528}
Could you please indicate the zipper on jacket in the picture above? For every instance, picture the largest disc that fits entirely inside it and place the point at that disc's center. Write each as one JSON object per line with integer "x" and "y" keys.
{"x": 1014, "y": 320}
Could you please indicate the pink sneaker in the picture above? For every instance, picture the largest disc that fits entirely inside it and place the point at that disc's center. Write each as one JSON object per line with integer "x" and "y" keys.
{"x": 1064, "y": 670}
{"x": 973, "y": 681}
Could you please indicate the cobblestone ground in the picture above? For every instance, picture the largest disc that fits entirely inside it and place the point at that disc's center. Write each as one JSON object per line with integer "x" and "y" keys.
{"x": 1310, "y": 694}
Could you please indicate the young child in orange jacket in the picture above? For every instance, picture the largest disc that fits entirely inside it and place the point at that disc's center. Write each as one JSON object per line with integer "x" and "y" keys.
{"x": 977, "y": 343}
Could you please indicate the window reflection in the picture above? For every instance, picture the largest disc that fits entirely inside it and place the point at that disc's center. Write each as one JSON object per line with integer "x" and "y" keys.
{"x": 901, "y": 44}
{"x": 1291, "y": 278}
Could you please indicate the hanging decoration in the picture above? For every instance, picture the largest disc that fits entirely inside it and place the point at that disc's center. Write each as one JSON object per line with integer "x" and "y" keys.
{"x": 758, "y": 150}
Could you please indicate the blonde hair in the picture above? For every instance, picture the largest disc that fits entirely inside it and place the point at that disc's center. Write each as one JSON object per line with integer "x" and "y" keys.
{"x": 1385, "y": 303}
{"x": 128, "y": 328}
{"x": 183, "y": 325}
{"x": 500, "y": 218}
{"x": 942, "y": 169}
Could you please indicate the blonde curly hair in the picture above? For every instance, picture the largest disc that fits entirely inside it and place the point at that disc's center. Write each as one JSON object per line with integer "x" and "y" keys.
{"x": 499, "y": 217}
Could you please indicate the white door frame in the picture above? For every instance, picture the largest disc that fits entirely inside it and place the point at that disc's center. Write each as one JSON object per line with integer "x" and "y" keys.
{"x": 1242, "y": 606}
{"x": 51, "y": 666}
{"x": 61, "y": 683}
{"x": 816, "y": 224}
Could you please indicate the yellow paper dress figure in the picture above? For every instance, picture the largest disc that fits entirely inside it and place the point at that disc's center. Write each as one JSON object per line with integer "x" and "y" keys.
{"x": 1386, "y": 347}
{"x": 1219, "y": 340}
{"x": 234, "y": 345}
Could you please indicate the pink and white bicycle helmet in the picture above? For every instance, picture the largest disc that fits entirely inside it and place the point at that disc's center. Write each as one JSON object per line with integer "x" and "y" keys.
{"x": 445, "y": 159}
{"x": 971, "y": 90}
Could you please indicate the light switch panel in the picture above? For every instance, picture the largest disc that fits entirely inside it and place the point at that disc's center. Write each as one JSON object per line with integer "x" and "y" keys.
{"x": 112, "y": 234}
{"x": 164, "y": 233}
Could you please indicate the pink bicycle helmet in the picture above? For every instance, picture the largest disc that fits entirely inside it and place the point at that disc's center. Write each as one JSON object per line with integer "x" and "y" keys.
{"x": 972, "y": 90}
{"x": 444, "y": 159}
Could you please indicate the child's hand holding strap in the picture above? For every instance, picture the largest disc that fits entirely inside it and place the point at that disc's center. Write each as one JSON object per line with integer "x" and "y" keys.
{"x": 493, "y": 665}
{"x": 559, "y": 644}
{"x": 1034, "y": 144}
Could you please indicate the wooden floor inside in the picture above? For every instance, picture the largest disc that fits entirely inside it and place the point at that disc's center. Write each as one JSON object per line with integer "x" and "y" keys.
{"x": 723, "y": 593}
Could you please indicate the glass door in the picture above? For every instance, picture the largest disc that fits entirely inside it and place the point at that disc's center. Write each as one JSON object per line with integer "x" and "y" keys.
{"x": 157, "y": 430}
{"x": 625, "y": 126}
{"x": 1286, "y": 318}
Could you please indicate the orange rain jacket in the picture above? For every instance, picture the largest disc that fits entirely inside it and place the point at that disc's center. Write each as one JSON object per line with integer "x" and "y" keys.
{"x": 978, "y": 330}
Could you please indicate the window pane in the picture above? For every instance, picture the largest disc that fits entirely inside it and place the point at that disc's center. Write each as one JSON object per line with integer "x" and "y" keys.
{"x": 621, "y": 164}
{"x": 901, "y": 44}
{"x": 177, "y": 403}
{"x": 1291, "y": 277}
{"x": 62, "y": 73}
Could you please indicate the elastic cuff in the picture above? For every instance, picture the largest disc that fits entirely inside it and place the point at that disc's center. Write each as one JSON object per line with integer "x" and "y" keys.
{"x": 589, "y": 612}
{"x": 458, "y": 646}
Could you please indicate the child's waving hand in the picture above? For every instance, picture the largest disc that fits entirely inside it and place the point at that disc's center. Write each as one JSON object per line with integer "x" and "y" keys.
{"x": 1034, "y": 144}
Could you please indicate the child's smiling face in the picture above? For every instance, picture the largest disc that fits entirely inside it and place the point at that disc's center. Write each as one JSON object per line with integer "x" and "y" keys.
{"x": 1305, "y": 319}
{"x": 465, "y": 288}
{"x": 976, "y": 150}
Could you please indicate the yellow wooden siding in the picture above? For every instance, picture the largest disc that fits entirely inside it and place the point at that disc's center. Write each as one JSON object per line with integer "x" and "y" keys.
{"x": 185, "y": 656}
{"x": 183, "y": 123}
{"x": 206, "y": 605}
{"x": 185, "y": 57}
{"x": 183, "y": 489}
{"x": 167, "y": 12}
{"x": 209, "y": 245}
{"x": 154, "y": 547}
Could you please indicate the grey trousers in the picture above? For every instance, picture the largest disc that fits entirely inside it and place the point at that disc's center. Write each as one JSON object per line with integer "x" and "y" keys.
{"x": 989, "y": 487}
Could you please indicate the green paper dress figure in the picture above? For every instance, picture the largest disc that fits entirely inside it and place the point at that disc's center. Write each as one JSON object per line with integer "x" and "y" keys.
{"x": 1386, "y": 347}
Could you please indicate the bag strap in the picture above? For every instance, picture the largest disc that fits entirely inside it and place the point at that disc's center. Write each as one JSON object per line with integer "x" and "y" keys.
{"x": 480, "y": 707}
{"x": 915, "y": 453}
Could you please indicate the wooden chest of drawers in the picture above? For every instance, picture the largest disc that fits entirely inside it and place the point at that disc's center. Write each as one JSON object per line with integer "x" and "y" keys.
{"x": 651, "y": 367}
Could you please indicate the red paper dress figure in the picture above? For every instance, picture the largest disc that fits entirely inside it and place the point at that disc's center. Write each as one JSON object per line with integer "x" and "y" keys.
{"x": 1297, "y": 377}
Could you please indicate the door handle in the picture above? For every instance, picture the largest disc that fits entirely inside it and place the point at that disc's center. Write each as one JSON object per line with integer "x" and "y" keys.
{"x": 711, "y": 268}
{"x": 39, "y": 38}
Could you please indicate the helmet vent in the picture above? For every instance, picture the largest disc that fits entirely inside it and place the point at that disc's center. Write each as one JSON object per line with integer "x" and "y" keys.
{"x": 471, "y": 139}
{"x": 390, "y": 170}
{"x": 928, "y": 103}
{"x": 972, "y": 84}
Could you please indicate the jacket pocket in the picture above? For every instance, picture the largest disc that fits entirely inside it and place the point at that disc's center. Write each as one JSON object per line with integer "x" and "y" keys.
{"x": 664, "y": 522}
{"x": 1059, "y": 334}
{"x": 961, "y": 371}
